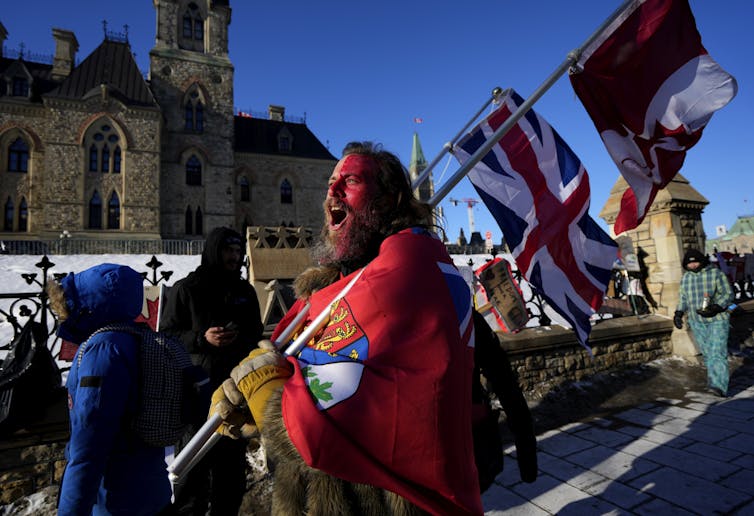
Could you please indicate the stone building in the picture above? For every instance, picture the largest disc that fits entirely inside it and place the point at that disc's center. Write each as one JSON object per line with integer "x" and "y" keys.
{"x": 97, "y": 150}
{"x": 738, "y": 239}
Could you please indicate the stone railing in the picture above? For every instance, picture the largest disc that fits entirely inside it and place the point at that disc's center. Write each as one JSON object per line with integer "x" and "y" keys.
{"x": 549, "y": 355}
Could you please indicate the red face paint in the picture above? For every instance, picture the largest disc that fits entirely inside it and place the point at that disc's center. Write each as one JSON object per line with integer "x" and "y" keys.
{"x": 352, "y": 186}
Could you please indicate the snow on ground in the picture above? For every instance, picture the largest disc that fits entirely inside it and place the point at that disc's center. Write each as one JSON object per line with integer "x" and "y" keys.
{"x": 13, "y": 266}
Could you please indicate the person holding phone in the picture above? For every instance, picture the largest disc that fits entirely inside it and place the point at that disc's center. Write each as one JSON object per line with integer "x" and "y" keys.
{"x": 215, "y": 313}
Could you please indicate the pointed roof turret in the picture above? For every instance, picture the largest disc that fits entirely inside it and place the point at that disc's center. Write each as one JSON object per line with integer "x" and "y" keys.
{"x": 418, "y": 163}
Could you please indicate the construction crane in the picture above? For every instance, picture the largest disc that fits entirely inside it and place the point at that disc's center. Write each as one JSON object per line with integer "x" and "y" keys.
{"x": 470, "y": 205}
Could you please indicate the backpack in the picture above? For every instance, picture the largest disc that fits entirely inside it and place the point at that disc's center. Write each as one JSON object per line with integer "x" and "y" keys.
{"x": 172, "y": 391}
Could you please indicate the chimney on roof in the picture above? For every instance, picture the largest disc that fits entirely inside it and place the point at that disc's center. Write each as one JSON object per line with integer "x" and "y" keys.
{"x": 66, "y": 46}
{"x": 276, "y": 113}
{"x": 3, "y": 35}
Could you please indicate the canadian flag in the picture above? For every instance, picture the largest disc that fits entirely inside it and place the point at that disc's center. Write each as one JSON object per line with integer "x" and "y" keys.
{"x": 650, "y": 87}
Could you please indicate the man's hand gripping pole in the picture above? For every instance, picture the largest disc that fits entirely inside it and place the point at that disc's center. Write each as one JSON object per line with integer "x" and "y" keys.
{"x": 207, "y": 435}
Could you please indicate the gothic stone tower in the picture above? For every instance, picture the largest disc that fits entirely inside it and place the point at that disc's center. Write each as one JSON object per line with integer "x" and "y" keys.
{"x": 191, "y": 77}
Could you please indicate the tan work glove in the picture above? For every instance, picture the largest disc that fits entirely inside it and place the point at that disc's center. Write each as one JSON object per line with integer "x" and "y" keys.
{"x": 230, "y": 405}
{"x": 259, "y": 375}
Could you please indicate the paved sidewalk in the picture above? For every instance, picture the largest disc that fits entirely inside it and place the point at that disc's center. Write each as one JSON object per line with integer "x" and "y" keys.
{"x": 693, "y": 455}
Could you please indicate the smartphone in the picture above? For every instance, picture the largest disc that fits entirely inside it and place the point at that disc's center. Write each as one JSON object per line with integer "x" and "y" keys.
{"x": 231, "y": 326}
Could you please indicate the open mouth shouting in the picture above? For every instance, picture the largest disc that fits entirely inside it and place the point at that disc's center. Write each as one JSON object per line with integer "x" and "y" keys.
{"x": 337, "y": 215}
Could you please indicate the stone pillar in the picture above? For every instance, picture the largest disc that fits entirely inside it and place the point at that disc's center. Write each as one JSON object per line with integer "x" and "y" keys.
{"x": 673, "y": 224}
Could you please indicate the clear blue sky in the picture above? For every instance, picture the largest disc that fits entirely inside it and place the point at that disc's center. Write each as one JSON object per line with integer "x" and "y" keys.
{"x": 365, "y": 70}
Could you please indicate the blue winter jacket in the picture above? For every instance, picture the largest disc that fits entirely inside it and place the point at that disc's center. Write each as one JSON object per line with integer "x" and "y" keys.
{"x": 109, "y": 470}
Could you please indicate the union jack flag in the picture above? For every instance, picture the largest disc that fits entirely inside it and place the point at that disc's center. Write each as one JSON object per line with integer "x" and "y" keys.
{"x": 538, "y": 192}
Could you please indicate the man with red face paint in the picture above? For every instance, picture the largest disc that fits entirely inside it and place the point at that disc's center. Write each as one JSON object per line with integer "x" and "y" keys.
{"x": 373, "y": 415}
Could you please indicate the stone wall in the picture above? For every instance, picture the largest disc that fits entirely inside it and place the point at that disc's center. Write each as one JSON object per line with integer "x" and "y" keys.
{"x": 265, "y": 173}
{"x": 34, "y": 457}
{"x": 57, "y": 188}
{"x": 551, "y": 354}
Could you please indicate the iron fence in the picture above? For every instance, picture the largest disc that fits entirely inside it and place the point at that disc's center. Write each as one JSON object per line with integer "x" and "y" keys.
{"x": 25, "y": 307}
{"x": 88, "y": 246}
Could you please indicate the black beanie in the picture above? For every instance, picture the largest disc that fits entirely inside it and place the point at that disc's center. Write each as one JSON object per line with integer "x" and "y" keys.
{"x": 694, "y": 255}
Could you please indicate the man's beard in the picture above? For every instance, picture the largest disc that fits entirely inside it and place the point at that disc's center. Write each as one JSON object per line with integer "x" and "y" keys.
{"x": 354, "y": 248}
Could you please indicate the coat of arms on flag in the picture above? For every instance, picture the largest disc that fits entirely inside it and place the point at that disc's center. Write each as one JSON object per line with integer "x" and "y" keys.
{"x": 332, "y": 367}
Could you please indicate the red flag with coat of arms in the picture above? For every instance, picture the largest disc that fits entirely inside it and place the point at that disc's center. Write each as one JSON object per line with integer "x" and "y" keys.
{"x": 650, "y": 87}
{"x": 382, "y": 394}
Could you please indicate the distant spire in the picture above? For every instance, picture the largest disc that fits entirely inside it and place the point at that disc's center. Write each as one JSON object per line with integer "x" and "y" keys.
{"x": 426, "y": 190}
{"x": 416, "y": 166}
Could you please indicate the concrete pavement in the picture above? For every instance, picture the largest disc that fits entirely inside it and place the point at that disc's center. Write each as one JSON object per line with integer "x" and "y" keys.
{"x": 693, "y": 455}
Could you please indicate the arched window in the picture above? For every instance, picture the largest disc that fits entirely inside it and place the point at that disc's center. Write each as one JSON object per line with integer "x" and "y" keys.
{"x": 189, "y": 117}
{"x": 199, "y": 221}
{"x": 113, "y": 212}
{"x": 18, "y": 156}
{"x": 189, "y": 220}
{"x": 243, "y": 185}
{"x": 116, "y": 160}
{"x": 105, "y": 166}
{"x": 192, "y": 31}
{"x": 101, "y": 139}
{"x": 193, "y": 171}
{"x": 23, "y": 215}
{"x": 95, "y": 211}
{"x": 286, "y": 192}
{"x": 193, "y": 109}
{"x": 9, "y": 211}
{"x": 199, "y": 118}
{"x": 93, "y": 158}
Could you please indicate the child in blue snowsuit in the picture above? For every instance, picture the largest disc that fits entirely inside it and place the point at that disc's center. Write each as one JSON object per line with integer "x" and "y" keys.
{"x": 109, "y": 470}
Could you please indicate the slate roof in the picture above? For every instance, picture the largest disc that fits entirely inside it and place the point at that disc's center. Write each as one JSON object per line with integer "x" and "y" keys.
{"x": 40, "y": 73}
{"x": 111, "y": 63}
{"x": 260, "y": 136}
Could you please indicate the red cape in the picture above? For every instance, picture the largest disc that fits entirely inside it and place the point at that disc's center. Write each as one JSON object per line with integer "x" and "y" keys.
{"x": 382, "y": 395}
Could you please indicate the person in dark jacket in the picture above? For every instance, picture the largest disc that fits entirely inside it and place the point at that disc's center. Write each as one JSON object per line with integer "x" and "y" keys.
{"x": 215, "y": 313}
{"x": 109, "y": 470}
{"x": 492, "y": 363}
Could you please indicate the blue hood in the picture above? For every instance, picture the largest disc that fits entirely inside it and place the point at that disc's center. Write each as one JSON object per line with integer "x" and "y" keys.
{"x": 101, "y": 295}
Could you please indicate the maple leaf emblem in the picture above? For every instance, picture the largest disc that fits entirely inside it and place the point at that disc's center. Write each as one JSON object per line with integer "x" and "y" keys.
{"x": 318, "y": 389}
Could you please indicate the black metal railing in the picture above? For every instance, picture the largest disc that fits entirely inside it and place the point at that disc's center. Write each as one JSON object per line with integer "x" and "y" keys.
{"x": 66, "y": 245}
{"x": 34, "y": 306}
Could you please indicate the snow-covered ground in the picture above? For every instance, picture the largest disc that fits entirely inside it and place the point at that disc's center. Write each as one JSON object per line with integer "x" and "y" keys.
{"x": 13, "y": 266}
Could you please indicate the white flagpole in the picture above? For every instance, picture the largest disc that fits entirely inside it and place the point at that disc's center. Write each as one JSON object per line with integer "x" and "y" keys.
{"x": 571, "y": 58}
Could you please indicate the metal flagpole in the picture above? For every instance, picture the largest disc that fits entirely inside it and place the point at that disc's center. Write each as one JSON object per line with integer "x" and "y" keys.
{"x": 497, "y": 93}
{"x": 571, "y": 58}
